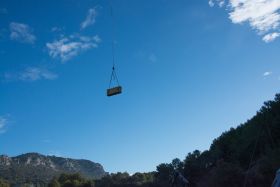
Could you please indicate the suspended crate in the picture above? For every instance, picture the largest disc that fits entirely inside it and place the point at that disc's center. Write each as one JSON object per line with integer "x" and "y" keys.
{"x": 116, "y": 89}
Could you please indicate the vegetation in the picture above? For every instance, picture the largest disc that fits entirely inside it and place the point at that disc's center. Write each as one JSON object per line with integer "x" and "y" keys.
{"x": 4, "y": 183}
{"x": 125, "y": 180}
{"x": 248, "y": 155}
{"x": 71, "y": 180}
{"x": 34, "y": 168}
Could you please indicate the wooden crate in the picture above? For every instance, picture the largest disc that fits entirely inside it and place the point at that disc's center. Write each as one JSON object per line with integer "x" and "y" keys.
{"x": 114, "y": 91}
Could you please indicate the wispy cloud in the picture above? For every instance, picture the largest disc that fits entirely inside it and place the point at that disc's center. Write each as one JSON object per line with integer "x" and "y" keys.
{"x": 3, "y": 124}
{"x": 90, "y": 18}
{"x": 145, "y": 56}
{"x": 56, "y": 29}
{"x": 219, "y": 2}
{"x": 35, "y": 73}
{"x": 270, "y": 37}
{"x": 31, "y": 74}
{"x": 267, "y": 73}
{"x": 22, "y": 33}
{"x": 67, "y": 47}
{"x": 211, "y": 3}
{"x": 262, "y": 15}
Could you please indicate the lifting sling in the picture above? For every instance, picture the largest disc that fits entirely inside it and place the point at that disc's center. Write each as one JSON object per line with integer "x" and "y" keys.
{"x": 116, "y": 89}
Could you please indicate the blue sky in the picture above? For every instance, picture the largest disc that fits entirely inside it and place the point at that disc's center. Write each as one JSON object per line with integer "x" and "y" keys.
{"x": 189, "y": 69}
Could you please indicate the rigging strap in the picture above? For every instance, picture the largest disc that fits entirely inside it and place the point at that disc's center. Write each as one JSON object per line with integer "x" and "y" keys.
{"x": 113, "y": 77}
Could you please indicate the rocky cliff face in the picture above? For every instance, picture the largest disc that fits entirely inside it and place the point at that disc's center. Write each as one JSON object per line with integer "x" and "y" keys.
{"x": 34, "y": 167}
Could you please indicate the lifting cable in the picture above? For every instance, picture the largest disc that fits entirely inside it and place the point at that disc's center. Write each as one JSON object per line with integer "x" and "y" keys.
{"x": 113, "y": 74}
{"x": 113, "y": 77}
{"x": 117, "y": 89}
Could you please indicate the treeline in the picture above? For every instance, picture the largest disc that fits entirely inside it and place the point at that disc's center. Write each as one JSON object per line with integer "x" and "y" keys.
{"x": 4, "y": 183}
{"x": 117, "y": 180}
{"x": 248, "y": 155}
{"x": 71, "y": 180}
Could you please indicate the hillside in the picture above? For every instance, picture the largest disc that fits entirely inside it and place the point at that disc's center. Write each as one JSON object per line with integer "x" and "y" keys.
{"x": 245, "y": 155}
{"x": 34, "y": 167}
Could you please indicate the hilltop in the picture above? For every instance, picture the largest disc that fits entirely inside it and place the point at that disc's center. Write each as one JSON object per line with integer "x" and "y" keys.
{"x": 35, "y": 167}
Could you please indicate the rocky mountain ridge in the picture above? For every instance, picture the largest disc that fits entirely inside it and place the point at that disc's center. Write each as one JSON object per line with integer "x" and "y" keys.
{"x": 36, "y": 167}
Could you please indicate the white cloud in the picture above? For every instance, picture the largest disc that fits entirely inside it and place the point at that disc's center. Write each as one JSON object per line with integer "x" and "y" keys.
{"x": 267, "y": 73}
{"x": 271, "y": 37}
{"x": 262, "y": 15}
{"x": 68, "y": 47}
{"x": 3, "y": 124}
{"x": 221, "y": 3}
{"x": 22, "y": 33}
{"x": 35, "y": 73}
{"x": 218, "y": 2}
{"x": 31, "y": 74}
{"x": 211, "y": 3}
{"x": 90, "y": 19}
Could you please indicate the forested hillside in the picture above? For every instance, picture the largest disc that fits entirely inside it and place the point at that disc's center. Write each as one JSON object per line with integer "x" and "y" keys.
{"x": 248, "y": 155}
